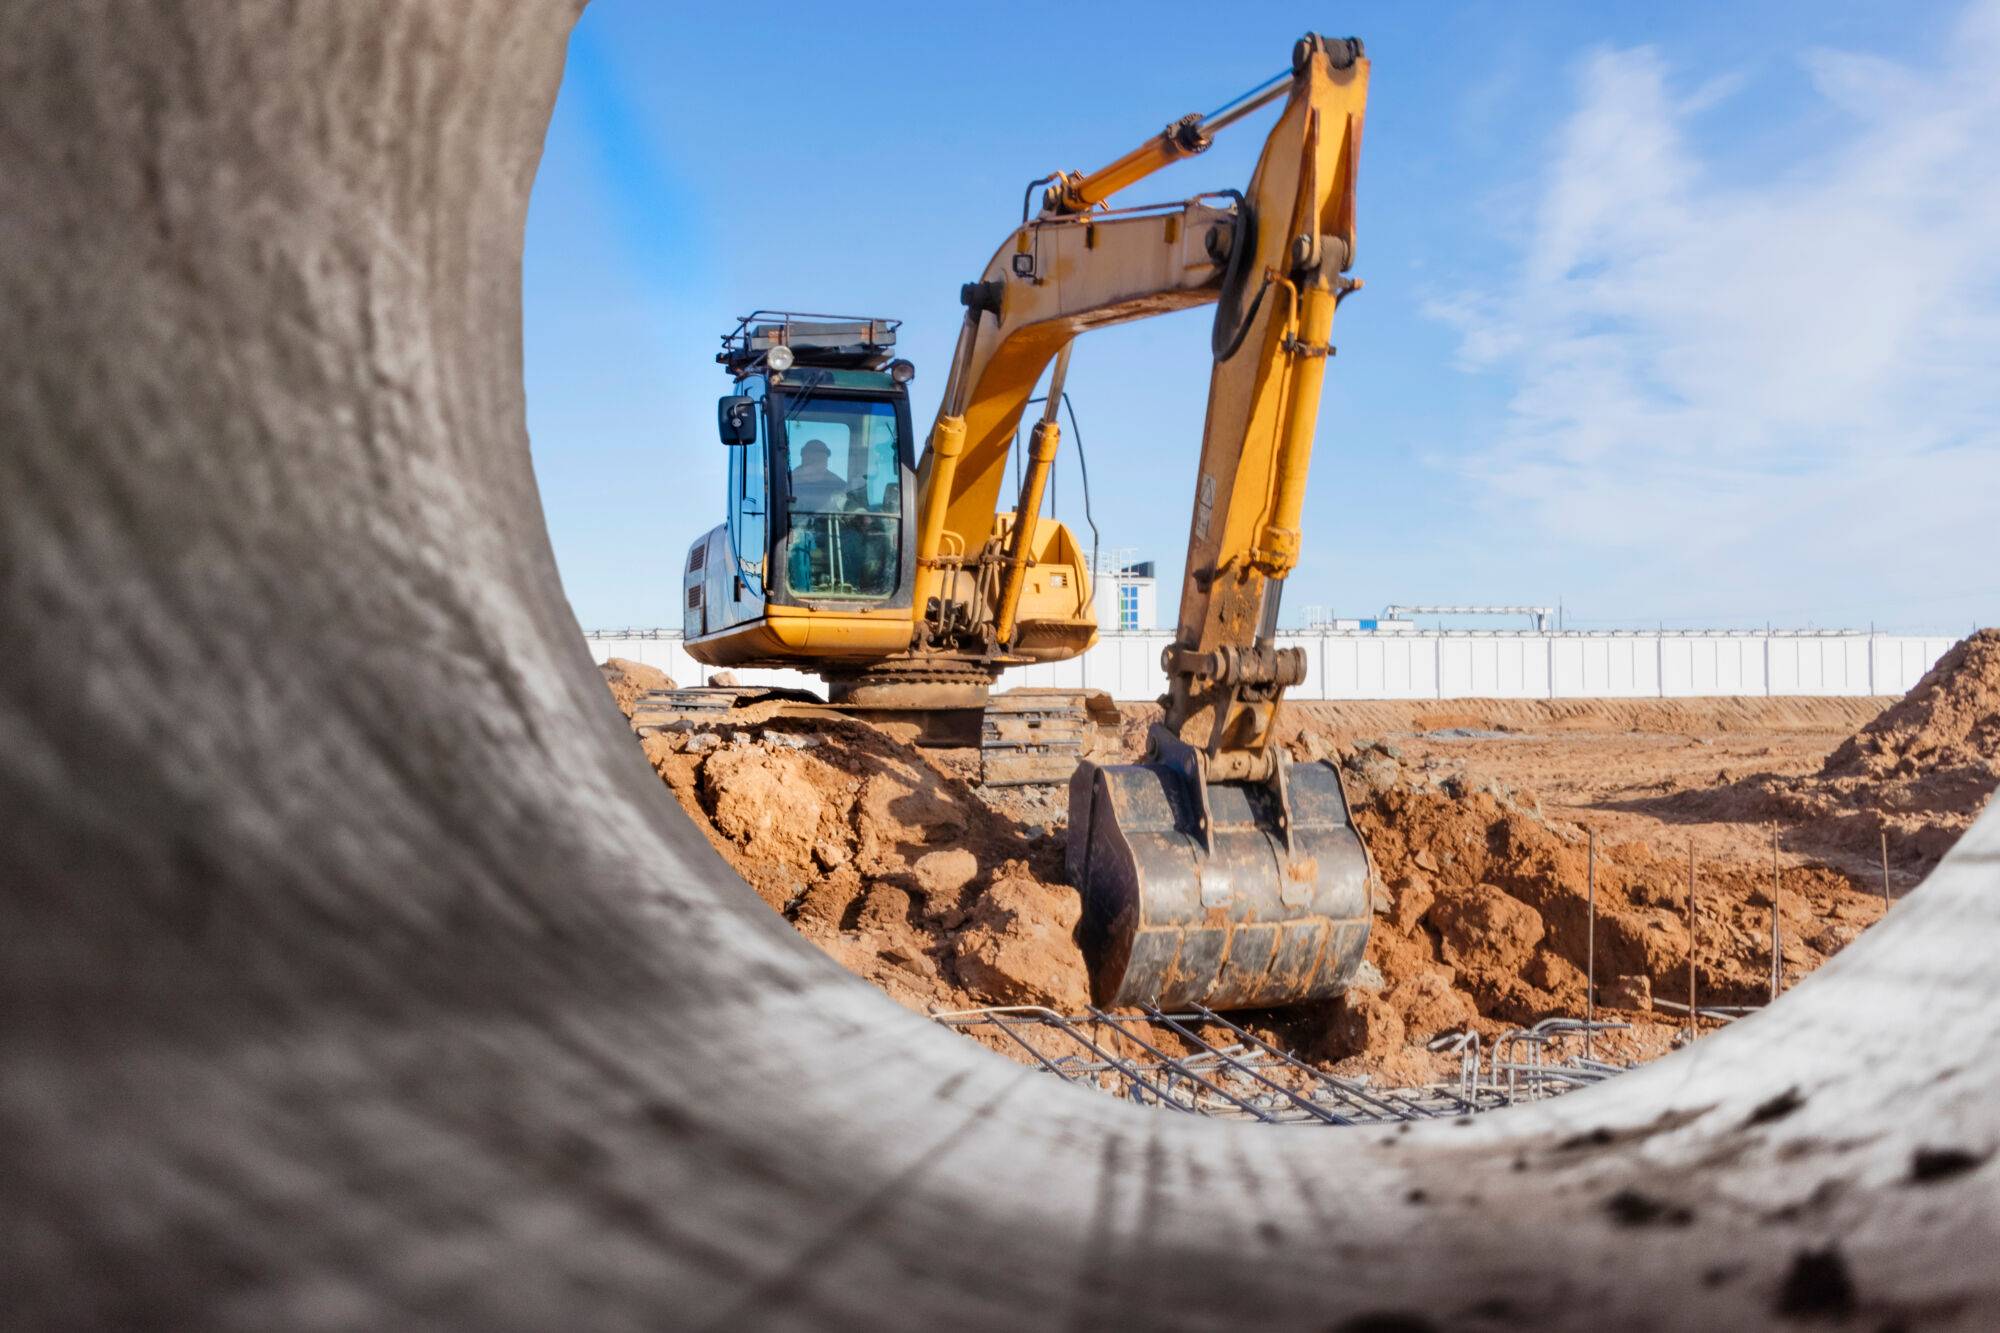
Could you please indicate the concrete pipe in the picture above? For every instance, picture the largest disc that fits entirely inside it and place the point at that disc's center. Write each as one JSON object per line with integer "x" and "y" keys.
{"x": 355, "y": 970}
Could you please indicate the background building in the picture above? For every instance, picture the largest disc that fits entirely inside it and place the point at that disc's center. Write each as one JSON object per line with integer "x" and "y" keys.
{"x": 1125, "y": 592}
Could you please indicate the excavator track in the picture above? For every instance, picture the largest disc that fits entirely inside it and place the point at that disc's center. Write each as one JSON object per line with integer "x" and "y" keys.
{"x": 1036, "y": 736}
{"x": 1026, "y": 737}
{"x": 657, "y": 710}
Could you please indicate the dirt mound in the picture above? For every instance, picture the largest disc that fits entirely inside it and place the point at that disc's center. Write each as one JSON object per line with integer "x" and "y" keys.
{"x": 886, "y": 857}
{"x": 896, "y": 869}
{"x": 1920, "y": 772}
{"x": 1951, "y": 719}
{"x": 1483, "y": 920}
{"x": 629, "y": 681}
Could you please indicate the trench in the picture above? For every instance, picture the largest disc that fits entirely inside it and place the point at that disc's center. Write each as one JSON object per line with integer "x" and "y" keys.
{"x": 356, "y": 970}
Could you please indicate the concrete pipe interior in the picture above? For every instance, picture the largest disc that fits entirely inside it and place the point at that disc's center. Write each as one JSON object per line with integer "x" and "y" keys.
{"x": 356, "y": 971}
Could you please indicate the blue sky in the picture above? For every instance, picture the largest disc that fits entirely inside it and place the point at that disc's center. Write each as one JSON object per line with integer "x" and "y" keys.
{"x": 1684, "y": 314}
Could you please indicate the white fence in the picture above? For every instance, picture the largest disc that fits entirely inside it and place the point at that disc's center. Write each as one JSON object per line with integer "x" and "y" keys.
{"x": 1360, "y": 664}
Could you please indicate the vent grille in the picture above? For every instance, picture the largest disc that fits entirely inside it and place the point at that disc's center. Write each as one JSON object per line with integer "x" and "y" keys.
{"x": 694, "y": 597}
{"x": 697, "y": 557}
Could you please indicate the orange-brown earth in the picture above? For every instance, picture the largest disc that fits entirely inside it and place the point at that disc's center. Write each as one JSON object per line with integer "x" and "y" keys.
{"x": 886, "y": 856}
{"x": 1909, "y": 783}
{"x": 897, "y": 869}
{"x": 629, "y": 681}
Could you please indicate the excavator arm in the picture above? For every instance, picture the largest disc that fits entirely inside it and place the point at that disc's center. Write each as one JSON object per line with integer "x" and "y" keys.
{"x": 1215, "y": 872}
{"x": 1272, "y": 258}
{"x": 1273, "y": 326}
{"x": 1219, "y": 873}
{"x": 1055, "y": 277}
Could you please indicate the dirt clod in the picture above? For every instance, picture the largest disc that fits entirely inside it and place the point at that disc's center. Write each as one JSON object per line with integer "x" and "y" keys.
{"x": 1482, "y": 927}
{"x": 1016, "y": 946}
{"x": 1633, "y": 993}
{"x": 630, "y": 681}
{"x": 1365, "y": 1023}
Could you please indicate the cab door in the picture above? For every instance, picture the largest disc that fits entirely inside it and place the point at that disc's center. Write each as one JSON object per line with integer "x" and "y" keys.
{"x": 737, "y": 592}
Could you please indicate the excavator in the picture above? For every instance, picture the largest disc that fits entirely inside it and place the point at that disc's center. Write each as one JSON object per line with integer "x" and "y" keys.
{"x": 1217, "y": 871}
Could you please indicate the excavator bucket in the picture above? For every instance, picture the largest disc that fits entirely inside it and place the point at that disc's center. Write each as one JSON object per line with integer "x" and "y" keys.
{"x": 1234, "y": 895}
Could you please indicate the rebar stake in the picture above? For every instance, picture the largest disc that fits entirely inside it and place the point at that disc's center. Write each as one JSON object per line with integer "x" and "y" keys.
{"x": 1777, "y": 949}
{"x": 1590, "y": 953}
{"x": 1885, "y": 870}
{"x": 1694, "y": 1017}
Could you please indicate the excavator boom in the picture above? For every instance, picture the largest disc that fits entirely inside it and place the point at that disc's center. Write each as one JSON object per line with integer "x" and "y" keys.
{"x": 1218, "y": 872}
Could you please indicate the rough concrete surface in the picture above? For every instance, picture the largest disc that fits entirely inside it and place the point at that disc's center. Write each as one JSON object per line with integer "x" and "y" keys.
{"x": 356, "y": 971}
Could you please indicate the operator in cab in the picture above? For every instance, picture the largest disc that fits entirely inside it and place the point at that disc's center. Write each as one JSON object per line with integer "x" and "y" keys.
{"x": 816, "y": 488}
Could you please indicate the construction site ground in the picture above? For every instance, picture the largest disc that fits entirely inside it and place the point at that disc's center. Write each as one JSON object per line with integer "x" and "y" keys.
{"x": 1478, "y": 816}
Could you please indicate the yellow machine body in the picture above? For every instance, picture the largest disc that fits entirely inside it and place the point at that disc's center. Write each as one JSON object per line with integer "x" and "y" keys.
{"x": 1215, "y": 872}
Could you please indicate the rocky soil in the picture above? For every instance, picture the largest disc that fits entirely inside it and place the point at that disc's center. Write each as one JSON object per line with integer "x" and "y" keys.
{"x": 886, "y": 856}
{"x": 629, "y": 681}
{"x": 894, "y": 867}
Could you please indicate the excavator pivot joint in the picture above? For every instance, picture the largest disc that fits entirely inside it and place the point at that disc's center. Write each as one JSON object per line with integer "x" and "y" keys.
{"x": 1341, "y": 52}
{"x": 983, "y": 296}
{"x": 1186, "y": 136}
{"x": 1234, "y": 665}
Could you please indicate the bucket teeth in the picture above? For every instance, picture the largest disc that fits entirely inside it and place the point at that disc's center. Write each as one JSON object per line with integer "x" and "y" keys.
{"x": 1189, "y": 900}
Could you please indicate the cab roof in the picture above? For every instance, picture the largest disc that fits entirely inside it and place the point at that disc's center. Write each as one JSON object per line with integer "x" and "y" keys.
{"x": 849, "y": 342}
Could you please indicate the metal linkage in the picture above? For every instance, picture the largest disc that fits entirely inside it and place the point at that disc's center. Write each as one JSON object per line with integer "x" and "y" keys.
{"x": 1164, "y": 1059}
{"x": 1393, "y": 1105}
{"x": 1079, "y": 1050}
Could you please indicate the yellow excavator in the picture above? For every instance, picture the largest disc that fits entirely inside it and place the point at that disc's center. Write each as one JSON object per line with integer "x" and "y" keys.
{"x": 1217, "y": 871}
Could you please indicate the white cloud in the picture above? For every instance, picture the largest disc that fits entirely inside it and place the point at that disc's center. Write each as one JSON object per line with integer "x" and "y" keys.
{"x": 1803, "y": 367}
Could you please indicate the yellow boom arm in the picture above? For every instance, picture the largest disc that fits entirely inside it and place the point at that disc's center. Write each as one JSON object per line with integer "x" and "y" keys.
{"x": 1273, "y": 259}
{"x": 1272, "y": 345}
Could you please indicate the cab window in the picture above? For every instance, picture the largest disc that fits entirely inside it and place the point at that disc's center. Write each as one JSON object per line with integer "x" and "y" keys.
{"x": 843, "y": 466}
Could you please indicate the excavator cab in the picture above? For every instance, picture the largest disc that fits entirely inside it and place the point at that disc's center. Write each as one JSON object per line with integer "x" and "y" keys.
{"x": 821, "y": 493}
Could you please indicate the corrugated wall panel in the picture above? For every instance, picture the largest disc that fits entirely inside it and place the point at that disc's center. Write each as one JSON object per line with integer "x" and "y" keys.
{"x": 1355, "y": 664}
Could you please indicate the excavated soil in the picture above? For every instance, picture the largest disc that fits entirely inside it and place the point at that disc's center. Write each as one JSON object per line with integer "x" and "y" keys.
{"x": 1483, "y": 919}
{"x": 1920, "y": 773}
{"x": 894, "y": 867}
{"x": 1908, "y": 783}
{"x": 629, "y": 681}
{"x": 887, "y": 856}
